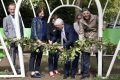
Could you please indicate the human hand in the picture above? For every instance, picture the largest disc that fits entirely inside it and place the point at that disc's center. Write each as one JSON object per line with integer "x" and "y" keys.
{"x": 55, "y": 43}
{"x": 15, "y": 39}
{"x": 60, "y": 48}
{"x": 39, "y": 41}
{"x": 50, "y": 42}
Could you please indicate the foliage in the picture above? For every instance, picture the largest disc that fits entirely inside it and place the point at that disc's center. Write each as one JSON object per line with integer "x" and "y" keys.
{"x": 79, "y": 47}
{"x": 53, "y": 48}
{"x": 112, "y": 10}
{"x": 118, "y": 56}
{"x": 5, "y": 72}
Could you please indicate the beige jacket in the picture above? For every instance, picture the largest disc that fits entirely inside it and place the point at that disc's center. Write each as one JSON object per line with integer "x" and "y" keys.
{"x": 91, "y": 28}
{"x": 91, "y": 31}
{"x": 79, "y": 30}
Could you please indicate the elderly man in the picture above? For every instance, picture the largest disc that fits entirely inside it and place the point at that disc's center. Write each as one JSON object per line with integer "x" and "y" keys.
{"x": 68, "y": 37}
{"x": 9, "y": 26}
{"x": 89, "y": 22}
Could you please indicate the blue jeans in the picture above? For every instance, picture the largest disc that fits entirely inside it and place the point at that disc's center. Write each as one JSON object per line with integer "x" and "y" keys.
{"x": 35, "y": 60}
{"x": 53, "y": 61}
{"x": 86, "y": 63}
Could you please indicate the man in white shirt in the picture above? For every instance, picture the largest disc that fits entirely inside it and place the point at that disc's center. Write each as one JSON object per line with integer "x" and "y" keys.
{"x": 68, "y": 37}
{"x": 9, "y": 27}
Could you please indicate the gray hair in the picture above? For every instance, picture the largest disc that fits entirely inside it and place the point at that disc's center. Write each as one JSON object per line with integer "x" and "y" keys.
{"x": 58, "y": 21}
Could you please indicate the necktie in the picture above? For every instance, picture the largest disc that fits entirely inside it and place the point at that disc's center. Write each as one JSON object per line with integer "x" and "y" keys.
{"x": 63, "y": 37}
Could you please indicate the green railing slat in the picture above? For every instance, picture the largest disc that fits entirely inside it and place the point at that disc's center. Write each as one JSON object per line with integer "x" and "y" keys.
{"x": 111, "y": 35}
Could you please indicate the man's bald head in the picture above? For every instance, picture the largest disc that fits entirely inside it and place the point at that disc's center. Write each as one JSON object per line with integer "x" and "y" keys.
{"x": 59, "y": 23}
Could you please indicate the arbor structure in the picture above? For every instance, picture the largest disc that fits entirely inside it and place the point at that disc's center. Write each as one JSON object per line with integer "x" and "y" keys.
{"x": 51, "y": 12}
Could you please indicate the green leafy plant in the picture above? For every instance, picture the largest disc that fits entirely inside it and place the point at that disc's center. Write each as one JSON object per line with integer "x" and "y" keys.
{"x": 79, "y": 46}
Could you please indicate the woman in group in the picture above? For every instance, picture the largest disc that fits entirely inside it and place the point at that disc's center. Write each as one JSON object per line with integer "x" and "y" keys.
{"x": 79, "y": 30}
{"x": 39, "y": 34}
{"x": 77, "y": 26}
{"x": 52, "y": 35}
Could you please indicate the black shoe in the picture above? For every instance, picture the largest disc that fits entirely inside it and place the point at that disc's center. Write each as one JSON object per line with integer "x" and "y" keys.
{"x": 35, "y": 76}
{"x": 18, "y": 71}
{"x": 38, "y": 74}
{"x": 65, "y": 76}
{"x": 72, "y": 76}
{"x": 84, "y": 77}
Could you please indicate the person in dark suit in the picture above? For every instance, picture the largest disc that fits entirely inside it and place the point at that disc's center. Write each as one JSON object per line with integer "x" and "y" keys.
{"x": 68, "y": 37}
{"x": 39, "y": 34}
{"x": 52, "y": 35}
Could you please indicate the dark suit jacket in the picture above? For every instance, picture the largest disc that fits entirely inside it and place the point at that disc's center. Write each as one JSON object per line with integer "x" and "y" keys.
{"x": 36, "y": 29}
{"x": 52, "y": 33}
{"x": 71, "y": 36}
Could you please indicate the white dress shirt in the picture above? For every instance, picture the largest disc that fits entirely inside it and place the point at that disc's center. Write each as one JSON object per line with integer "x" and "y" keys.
{"x": 63, "y": 36}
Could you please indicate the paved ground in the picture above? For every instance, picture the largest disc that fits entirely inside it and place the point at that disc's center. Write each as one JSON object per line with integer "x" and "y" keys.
{"x": 4, "y": 65}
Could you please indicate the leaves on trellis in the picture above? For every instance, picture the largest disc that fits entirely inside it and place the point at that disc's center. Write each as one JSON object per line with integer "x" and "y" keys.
{"x": 79, "y": 46}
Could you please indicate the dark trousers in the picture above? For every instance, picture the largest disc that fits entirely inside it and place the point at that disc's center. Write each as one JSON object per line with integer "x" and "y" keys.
{"x": 13, "y": 52}
{"x": 35, "y": 60}
{"x": 70, "y": 67}
{"x": 53, "y": 61}
{"x": 86, "y": 63}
